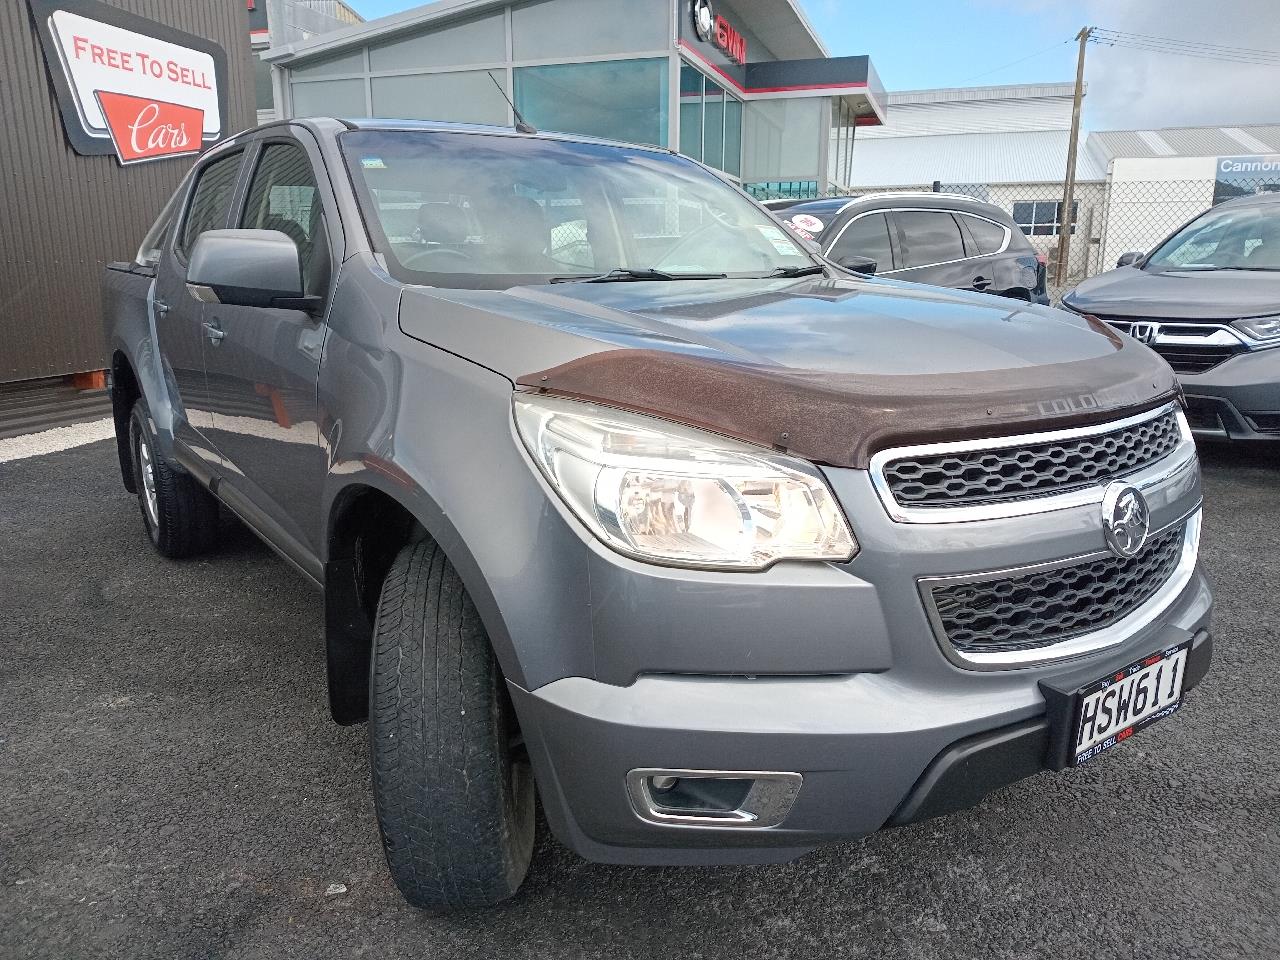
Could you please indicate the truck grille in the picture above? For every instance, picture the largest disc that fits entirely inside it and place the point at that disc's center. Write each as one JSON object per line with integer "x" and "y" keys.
{"x": 997, "y": 474}
{"x": 1033, "y": 610}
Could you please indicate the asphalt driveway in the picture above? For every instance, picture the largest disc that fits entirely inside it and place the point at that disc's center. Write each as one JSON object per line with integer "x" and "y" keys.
{"x": 171, "y": 786}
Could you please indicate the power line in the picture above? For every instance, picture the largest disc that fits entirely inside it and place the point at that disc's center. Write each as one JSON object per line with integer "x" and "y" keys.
{"x": 1038, "y": 53}
{"x": 1187, "y": 52}
{"x": 1186, "y": 48}
{"x": 1200, "y": 44}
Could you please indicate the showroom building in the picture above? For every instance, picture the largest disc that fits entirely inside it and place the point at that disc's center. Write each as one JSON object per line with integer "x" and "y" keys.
{"x": 745, "y": 86}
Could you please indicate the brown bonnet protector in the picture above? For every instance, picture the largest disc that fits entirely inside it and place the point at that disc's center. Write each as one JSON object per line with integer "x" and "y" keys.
{"x": 841, "y": 419}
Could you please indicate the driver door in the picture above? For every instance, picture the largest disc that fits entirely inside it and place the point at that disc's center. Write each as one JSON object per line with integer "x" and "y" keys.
{"x": 263, "y": 364}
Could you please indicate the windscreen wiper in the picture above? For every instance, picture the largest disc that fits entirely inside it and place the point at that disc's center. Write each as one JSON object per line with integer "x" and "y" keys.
{"x": 1207, "y": 269}
{"x": 798, "y": 271}
{"x": 625, "y": 274}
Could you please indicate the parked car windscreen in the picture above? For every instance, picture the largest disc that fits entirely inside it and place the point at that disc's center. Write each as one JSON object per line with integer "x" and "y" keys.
{"x": 1228, "y": 238}
{"x": 490, "y": 211}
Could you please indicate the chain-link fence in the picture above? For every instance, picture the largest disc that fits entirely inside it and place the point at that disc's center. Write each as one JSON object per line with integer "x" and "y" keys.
{"x": 1113, "y": 218}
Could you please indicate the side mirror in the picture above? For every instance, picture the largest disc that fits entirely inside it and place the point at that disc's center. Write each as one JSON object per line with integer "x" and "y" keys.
{"x": 1129, "y": 259}
{"x": 856, "y": 264}
{"x": 247, "y": 268}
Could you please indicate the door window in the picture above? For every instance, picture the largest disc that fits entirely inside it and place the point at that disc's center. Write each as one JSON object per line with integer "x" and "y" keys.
{"x": 927, "y": 237}
{"x": 867, "y": 236}
{"x": 283, "y": 196}
{"x": 210, "y": 200}
{"x": 988, "y": 236}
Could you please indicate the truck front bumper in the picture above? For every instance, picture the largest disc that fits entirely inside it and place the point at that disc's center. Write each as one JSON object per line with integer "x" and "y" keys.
{"x": 870, "y": 749}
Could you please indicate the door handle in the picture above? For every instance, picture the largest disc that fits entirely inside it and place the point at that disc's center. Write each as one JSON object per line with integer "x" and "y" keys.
{"x": 981, "y": 283}
{"x": 162, "y": 309}
{"x": 214, "y": 332}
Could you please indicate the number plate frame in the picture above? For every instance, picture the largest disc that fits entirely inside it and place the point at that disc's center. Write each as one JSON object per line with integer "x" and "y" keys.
{"x": 1064, "y": 693}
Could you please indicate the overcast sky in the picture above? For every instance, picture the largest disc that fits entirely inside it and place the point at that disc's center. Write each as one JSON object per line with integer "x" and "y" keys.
{"x": 952, "y": 43}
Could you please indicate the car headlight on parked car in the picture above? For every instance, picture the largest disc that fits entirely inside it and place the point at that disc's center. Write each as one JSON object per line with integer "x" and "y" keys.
{"x": 1259, "y": 328}
{"x": 670, "y": 494}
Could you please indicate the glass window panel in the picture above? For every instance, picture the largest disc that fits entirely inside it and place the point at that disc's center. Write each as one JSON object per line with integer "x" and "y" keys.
{"x": 782, "y": 139}
{"x": 329, "y": 98}
{"x": 1043, "y": 218}
{"x": 211, "y": 200}
{"x": 282, "y": 196}
{"x": 732, "y": 136}
{"x": 987, "y": 235}
{"x": 866, "y": 237}
{"x": 588, "y": 28}
{"x": 477, "y": 41}
{"x": 468, "y": 96}
{"x": 618, "y": 100}
{"x": 690, "y": 112}
{"x": 333, "y": 67}
{"x": 926, "y": 237}
{"x": 713, "y": 127}
{"x": 263, "y": 94}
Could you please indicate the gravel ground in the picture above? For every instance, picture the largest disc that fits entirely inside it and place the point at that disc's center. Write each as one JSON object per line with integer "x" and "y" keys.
{"x": 171, "y": 786}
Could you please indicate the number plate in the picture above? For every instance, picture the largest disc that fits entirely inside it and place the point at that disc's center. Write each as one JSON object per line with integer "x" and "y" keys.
{"x": 1117, "y": 706}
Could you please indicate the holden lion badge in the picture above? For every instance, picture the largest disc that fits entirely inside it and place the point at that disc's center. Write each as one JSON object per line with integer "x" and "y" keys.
{"x": 1126, "y": 519}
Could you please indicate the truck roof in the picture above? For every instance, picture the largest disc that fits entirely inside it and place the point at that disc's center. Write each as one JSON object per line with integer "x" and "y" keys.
{"x": 334, "y": 124}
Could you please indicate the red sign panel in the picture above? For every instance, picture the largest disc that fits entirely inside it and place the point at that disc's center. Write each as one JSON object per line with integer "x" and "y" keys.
{"x": 145, "y": 129}
{"x": 730, "y": 41}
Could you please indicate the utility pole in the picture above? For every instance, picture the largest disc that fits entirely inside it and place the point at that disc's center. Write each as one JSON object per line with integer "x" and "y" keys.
{"x": 1067, "y": 221}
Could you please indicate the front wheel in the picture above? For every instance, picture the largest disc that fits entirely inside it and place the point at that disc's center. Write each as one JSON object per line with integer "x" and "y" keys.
{"x": 451, "y": 779}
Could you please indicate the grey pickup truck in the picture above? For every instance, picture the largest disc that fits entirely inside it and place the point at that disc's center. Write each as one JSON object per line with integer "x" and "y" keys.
{"x": 619, "y": 498}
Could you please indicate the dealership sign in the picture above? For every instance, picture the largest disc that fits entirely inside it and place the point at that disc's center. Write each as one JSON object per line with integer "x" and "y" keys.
{"x": 130, "y": 86}
{"x": 1246, "y": 176}
{"x": 713, "y": 28}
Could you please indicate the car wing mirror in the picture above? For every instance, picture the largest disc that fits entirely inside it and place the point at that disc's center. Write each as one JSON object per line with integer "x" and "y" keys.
{"x": 857, "y": 264}
{"x": 1129, "y": 259}
{"x": 248, "y": 268}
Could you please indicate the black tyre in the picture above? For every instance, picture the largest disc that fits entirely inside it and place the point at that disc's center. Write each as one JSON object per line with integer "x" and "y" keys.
{"x": 180, "y": 515}
{"x": 451, "y": 779}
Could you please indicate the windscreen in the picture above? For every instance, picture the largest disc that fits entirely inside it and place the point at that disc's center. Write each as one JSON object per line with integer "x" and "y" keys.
{"x": 1230, "y": 238}
{"x": 490, "y": 211}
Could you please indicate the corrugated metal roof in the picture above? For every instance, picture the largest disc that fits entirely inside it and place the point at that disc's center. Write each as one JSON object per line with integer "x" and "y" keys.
{"x": 1034, "y": 156}
{"x": 1103, "y": 146}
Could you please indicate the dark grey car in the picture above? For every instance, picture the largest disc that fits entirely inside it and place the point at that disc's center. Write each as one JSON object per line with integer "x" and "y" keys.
{"x": 941, "y": 238}
{"x": 1207, "y": 299}
{"x": 612, "y": 488}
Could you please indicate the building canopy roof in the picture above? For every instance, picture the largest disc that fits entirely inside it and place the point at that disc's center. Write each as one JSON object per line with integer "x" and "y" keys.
{"x": 790, "y": 34}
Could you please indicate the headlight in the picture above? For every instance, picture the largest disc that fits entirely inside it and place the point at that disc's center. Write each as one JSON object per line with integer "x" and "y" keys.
{"x": 670, "y": 494}
{"x": 1260, "y": 328}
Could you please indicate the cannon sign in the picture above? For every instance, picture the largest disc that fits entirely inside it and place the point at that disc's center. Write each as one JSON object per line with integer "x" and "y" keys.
{"x": 130, "y": 86}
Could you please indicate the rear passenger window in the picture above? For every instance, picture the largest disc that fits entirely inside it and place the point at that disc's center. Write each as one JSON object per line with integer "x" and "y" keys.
{"x": 210, "y": 200}
{"x": 928, "y": 236}
{"x": 987, "y": 235}
{"x": 867, "y": 236}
